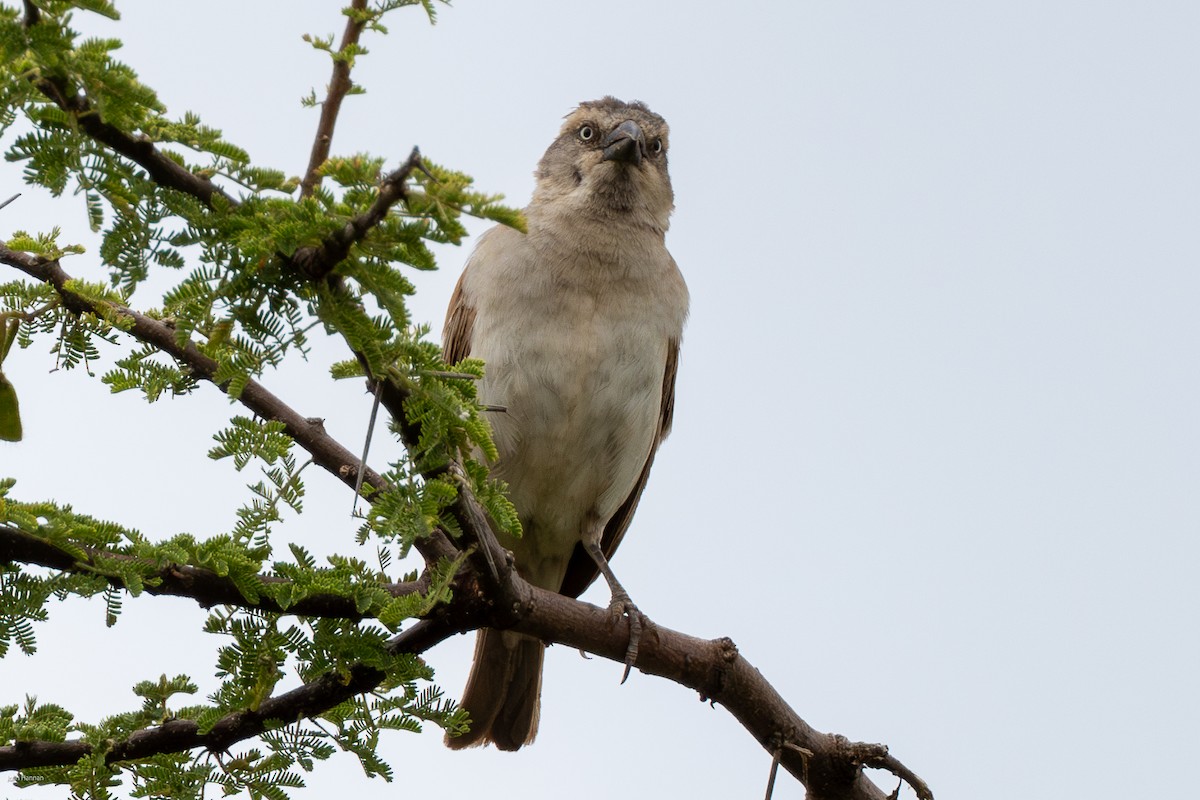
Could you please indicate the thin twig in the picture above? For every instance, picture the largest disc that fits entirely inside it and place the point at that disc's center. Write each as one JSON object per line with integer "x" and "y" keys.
{"x": 805, "y": 754}
{"x": 474, "y": 522}
{"x": 777, "y": 755}
{"x": 774, "y": 771}
{"x": 713, "y": 668}
{"x": 9, "y": 200}
{"x": 366, "y": 448}
{"x": 179, "y": 735}
{"x": 339, "y": 85}
{"x": 30, "y": 316}
{"x": 140, "y": 150}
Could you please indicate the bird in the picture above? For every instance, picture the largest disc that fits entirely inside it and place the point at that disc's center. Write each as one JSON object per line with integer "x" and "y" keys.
{"x": 578, "y": 321}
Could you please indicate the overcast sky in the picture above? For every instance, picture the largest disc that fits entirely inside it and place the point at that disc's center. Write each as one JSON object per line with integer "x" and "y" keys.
{"x": 936, "y": 450}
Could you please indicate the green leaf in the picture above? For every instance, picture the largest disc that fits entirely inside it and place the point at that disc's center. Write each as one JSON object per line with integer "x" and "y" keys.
{"x": 8, "y": 335}
{"x": 10, "y": 413}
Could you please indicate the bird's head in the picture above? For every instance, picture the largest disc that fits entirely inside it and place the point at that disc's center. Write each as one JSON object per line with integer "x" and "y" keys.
{"x": 609, "y": 161}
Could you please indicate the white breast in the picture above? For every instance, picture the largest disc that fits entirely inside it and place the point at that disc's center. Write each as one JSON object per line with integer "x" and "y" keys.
{"x": 577, "y": 359}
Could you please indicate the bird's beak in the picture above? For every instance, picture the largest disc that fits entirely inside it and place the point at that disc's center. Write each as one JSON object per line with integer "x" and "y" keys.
{"x": 626, "y": 143}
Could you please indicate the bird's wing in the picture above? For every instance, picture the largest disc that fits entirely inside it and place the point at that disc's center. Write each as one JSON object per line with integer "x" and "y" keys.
{"x": 460, "y": 320}
{"x": 581, "y": 570}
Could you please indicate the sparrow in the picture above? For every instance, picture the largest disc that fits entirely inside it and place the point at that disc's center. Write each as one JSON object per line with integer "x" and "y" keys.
{"x": 578, "y": 321}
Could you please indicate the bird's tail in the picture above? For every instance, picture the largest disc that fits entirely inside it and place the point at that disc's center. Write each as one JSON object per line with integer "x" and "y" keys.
{"x": 504, "y": 692}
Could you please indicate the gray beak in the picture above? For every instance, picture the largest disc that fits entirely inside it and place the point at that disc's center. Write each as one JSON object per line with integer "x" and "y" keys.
{"x": 625, "y": 143}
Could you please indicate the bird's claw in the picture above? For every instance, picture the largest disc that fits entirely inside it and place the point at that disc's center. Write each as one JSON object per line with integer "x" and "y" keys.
{"x": 622, "y": 606}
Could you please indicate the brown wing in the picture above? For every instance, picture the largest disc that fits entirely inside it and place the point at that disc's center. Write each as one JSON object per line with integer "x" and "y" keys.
{"x": 581, "y": 570}
{"x": 460, "y": 319}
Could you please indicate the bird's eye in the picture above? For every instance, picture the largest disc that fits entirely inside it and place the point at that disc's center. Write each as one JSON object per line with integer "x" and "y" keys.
{"x": 657, "y": 147}
{"x": 587, "y": 133}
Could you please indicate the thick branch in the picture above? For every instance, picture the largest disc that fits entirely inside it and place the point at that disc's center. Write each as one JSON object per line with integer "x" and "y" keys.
{"x": 339, "y": 85}
{"x": 713, "y": 668}
{"x": 716, "y": 670}
{"x": 309, "y": 433}
{"x": 204, "y": 586}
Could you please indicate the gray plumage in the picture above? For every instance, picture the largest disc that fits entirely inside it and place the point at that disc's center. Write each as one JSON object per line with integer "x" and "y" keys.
{"x": 579, "y": 323}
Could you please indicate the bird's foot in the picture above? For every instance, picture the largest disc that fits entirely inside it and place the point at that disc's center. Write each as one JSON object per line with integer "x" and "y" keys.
{"x": 622, "y": 606}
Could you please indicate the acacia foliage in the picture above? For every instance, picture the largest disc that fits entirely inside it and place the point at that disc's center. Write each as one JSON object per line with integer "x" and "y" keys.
{"x": 254, "y": 267}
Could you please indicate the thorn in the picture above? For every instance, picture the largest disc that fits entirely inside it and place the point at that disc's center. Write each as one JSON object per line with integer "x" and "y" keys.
{"x": 362, "y": 468}
{"x": 774, "y": 771}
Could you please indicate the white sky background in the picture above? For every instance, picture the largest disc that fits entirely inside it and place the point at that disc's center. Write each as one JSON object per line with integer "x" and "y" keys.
{"x": 936, "y": 451}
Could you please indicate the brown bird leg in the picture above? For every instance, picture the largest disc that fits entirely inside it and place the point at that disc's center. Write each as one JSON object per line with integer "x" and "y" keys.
{"x": 620, "y": 605}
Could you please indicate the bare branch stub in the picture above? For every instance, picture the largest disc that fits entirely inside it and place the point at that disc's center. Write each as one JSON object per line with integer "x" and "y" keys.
{"x": 878, "y": 756}
{"x": 721, "y": 674}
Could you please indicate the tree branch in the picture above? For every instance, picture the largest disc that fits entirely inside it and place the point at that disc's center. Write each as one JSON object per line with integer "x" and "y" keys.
{"x": 309, "y": 433}
{"x": 317, "y": 262}
{"x": 314, "y": 261}
{"x": 713, "y": 668}
{"x": 178, "y": 735}
{"x": 33, "y": 14}
{"x": 140, "y": 150}
{"x": 339, "y": 85}
{"x": 722, "y": 675}
{"x": 309, "y": 700}
{"x": 204, "y": 586}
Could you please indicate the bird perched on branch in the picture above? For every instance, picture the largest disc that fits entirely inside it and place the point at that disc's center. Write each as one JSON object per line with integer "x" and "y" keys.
{"x": 579, "y": 322}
